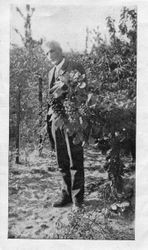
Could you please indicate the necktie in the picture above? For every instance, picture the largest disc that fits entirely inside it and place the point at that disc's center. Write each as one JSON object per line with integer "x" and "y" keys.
{"x": 53, "y": 78}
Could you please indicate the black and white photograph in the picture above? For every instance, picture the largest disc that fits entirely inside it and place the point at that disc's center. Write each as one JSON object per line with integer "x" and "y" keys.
{"x": 72, "y": 122}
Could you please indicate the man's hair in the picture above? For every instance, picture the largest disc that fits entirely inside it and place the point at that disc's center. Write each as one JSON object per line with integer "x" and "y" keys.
{"x": 53, "y": 44}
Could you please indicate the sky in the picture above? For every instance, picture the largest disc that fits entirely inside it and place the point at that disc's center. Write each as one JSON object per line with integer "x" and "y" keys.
{"x": 65, "y": 24}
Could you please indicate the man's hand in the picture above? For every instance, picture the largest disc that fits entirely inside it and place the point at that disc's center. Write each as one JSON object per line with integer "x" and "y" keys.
{"x": 57, "y": 90}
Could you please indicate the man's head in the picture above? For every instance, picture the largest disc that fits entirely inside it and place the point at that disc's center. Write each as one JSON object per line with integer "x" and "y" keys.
{"x": 54, "y": 51}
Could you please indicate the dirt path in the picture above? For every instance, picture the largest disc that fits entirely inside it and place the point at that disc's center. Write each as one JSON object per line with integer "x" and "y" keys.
{"x": 34, "y": 185}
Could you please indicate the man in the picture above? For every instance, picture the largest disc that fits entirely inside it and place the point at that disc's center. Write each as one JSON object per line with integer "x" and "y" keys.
{"x": 70, "y": 160}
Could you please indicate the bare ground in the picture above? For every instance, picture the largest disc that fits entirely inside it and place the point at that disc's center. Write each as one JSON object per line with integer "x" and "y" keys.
{"x": 35, "y": 184}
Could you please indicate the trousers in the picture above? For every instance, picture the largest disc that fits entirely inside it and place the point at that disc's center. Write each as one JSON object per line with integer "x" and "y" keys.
{"x": 70, "y": 164}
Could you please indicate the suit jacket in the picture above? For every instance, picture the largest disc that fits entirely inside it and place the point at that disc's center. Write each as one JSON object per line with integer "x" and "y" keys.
{"x": 66, "y": 67}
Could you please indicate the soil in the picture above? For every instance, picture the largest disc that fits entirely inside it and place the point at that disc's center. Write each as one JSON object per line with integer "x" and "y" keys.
{"x": 35, "y": 184}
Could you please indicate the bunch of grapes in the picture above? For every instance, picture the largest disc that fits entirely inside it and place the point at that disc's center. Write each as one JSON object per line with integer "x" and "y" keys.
{"x": 57, "y": 106}
{"x": 71, "y": 110}
{"x": 84, "y": 110}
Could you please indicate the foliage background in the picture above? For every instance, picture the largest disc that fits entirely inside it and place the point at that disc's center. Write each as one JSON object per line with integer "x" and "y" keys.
{"x": 110, "y": 69}
{"x": 111, "y": 72}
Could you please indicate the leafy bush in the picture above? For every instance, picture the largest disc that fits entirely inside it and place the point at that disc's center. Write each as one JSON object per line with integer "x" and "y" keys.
{"x": 26, "y": 67}
{"x": 111, "y": 73}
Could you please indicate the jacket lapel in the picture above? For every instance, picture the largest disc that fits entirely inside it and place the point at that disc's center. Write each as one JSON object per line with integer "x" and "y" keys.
{"x": 50, "y": 76}
{"x": 64, "y": 66}
{"x": 62, "y": 71}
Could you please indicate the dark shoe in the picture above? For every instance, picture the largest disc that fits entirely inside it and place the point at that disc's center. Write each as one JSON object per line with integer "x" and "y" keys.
{"x": 77, "y": 205}
{"x": 78, "y": 201}
{"x": 62, "y": 202}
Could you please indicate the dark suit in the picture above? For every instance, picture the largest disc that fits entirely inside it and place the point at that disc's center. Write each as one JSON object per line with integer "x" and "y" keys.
{"x": 72, "y": 170}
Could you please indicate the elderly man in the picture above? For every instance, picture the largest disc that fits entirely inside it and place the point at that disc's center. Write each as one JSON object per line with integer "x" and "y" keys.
{"x": 70, "y": 166}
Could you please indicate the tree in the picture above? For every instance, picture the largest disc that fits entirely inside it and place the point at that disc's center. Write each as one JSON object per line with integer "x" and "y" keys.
{"x": 27, "y": 64}
{"x": 27, "y": 38}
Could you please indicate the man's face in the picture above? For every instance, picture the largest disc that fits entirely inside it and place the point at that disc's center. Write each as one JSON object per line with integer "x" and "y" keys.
{"x": 54, "y": 55}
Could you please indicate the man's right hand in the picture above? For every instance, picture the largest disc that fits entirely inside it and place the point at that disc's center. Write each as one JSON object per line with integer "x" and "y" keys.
{"x": 57, "y": 90}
